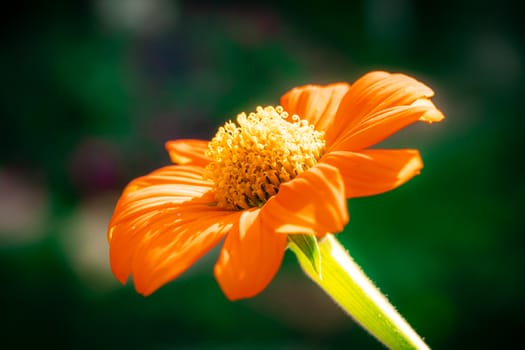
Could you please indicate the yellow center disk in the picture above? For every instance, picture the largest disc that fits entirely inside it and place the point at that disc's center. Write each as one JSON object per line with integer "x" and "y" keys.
{"x": 252, "y": 157}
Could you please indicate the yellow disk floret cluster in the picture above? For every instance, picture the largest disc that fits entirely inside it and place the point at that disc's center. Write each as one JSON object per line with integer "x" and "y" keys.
{"x": 252, "y": 157}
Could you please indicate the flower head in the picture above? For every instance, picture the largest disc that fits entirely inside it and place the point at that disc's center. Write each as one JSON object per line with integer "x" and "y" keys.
{"x": 276, "y": 172}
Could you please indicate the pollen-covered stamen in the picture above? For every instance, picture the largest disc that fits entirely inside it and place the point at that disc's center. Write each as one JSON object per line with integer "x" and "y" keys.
{"x": 252, "y": 157}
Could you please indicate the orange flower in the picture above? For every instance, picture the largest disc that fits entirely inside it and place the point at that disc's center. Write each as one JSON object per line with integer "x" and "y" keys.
{"x": 276, "y": 172}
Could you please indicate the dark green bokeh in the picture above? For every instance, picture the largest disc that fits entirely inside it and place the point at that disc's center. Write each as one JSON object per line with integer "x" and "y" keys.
{"x": 91, "y": 92}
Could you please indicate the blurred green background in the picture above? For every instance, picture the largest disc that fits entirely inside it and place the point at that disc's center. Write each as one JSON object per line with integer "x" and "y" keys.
{"x": 92, "y": 90}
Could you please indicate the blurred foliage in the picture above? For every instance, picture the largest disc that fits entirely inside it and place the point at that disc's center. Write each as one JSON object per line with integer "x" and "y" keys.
{"x": 92, "y": 90}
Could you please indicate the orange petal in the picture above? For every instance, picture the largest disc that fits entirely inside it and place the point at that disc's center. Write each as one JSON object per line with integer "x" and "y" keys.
{"x": 174, "y": 240}
{"x": 147, "y": 199}
{"x": 250, "y": 257}
{"x": 379, "y": 93}
{"x": 161, "y": 188}
{"x": 312, "y": 203}
{"x": 374, "y": 171}
{"x": 188, "y": 152}
{"x": 385, "y": 123}
{"x": 143, "y": 245}
{"x": 317, "y": 104}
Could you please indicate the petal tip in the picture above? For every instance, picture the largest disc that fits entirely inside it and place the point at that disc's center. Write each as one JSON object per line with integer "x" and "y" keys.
{"x": 187, "y": 151}
{"x": 432, "y": 116}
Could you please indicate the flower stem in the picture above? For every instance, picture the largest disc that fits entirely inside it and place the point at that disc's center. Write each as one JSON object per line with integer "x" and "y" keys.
{"x": 340, "y": 277}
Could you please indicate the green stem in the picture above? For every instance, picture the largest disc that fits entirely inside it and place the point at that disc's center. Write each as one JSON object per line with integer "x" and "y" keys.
{"x": 347, "y": 284}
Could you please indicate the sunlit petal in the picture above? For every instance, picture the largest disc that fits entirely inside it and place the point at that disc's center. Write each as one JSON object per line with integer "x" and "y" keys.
{"x": 174, "y": 241}
{"x": 160, "y": 189}
{"x": 312, "y": 203}
{"x": 147, "y": 200}
{"x": 379, "y": 95}
{"x": 374, "y": 171}
{"x": 250, "y": 257}
{"x": 317, "y": 104}
{"x": 188, "y": 152}
{"x": 383, "y": 124}
{"x": 161, "y": 243}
